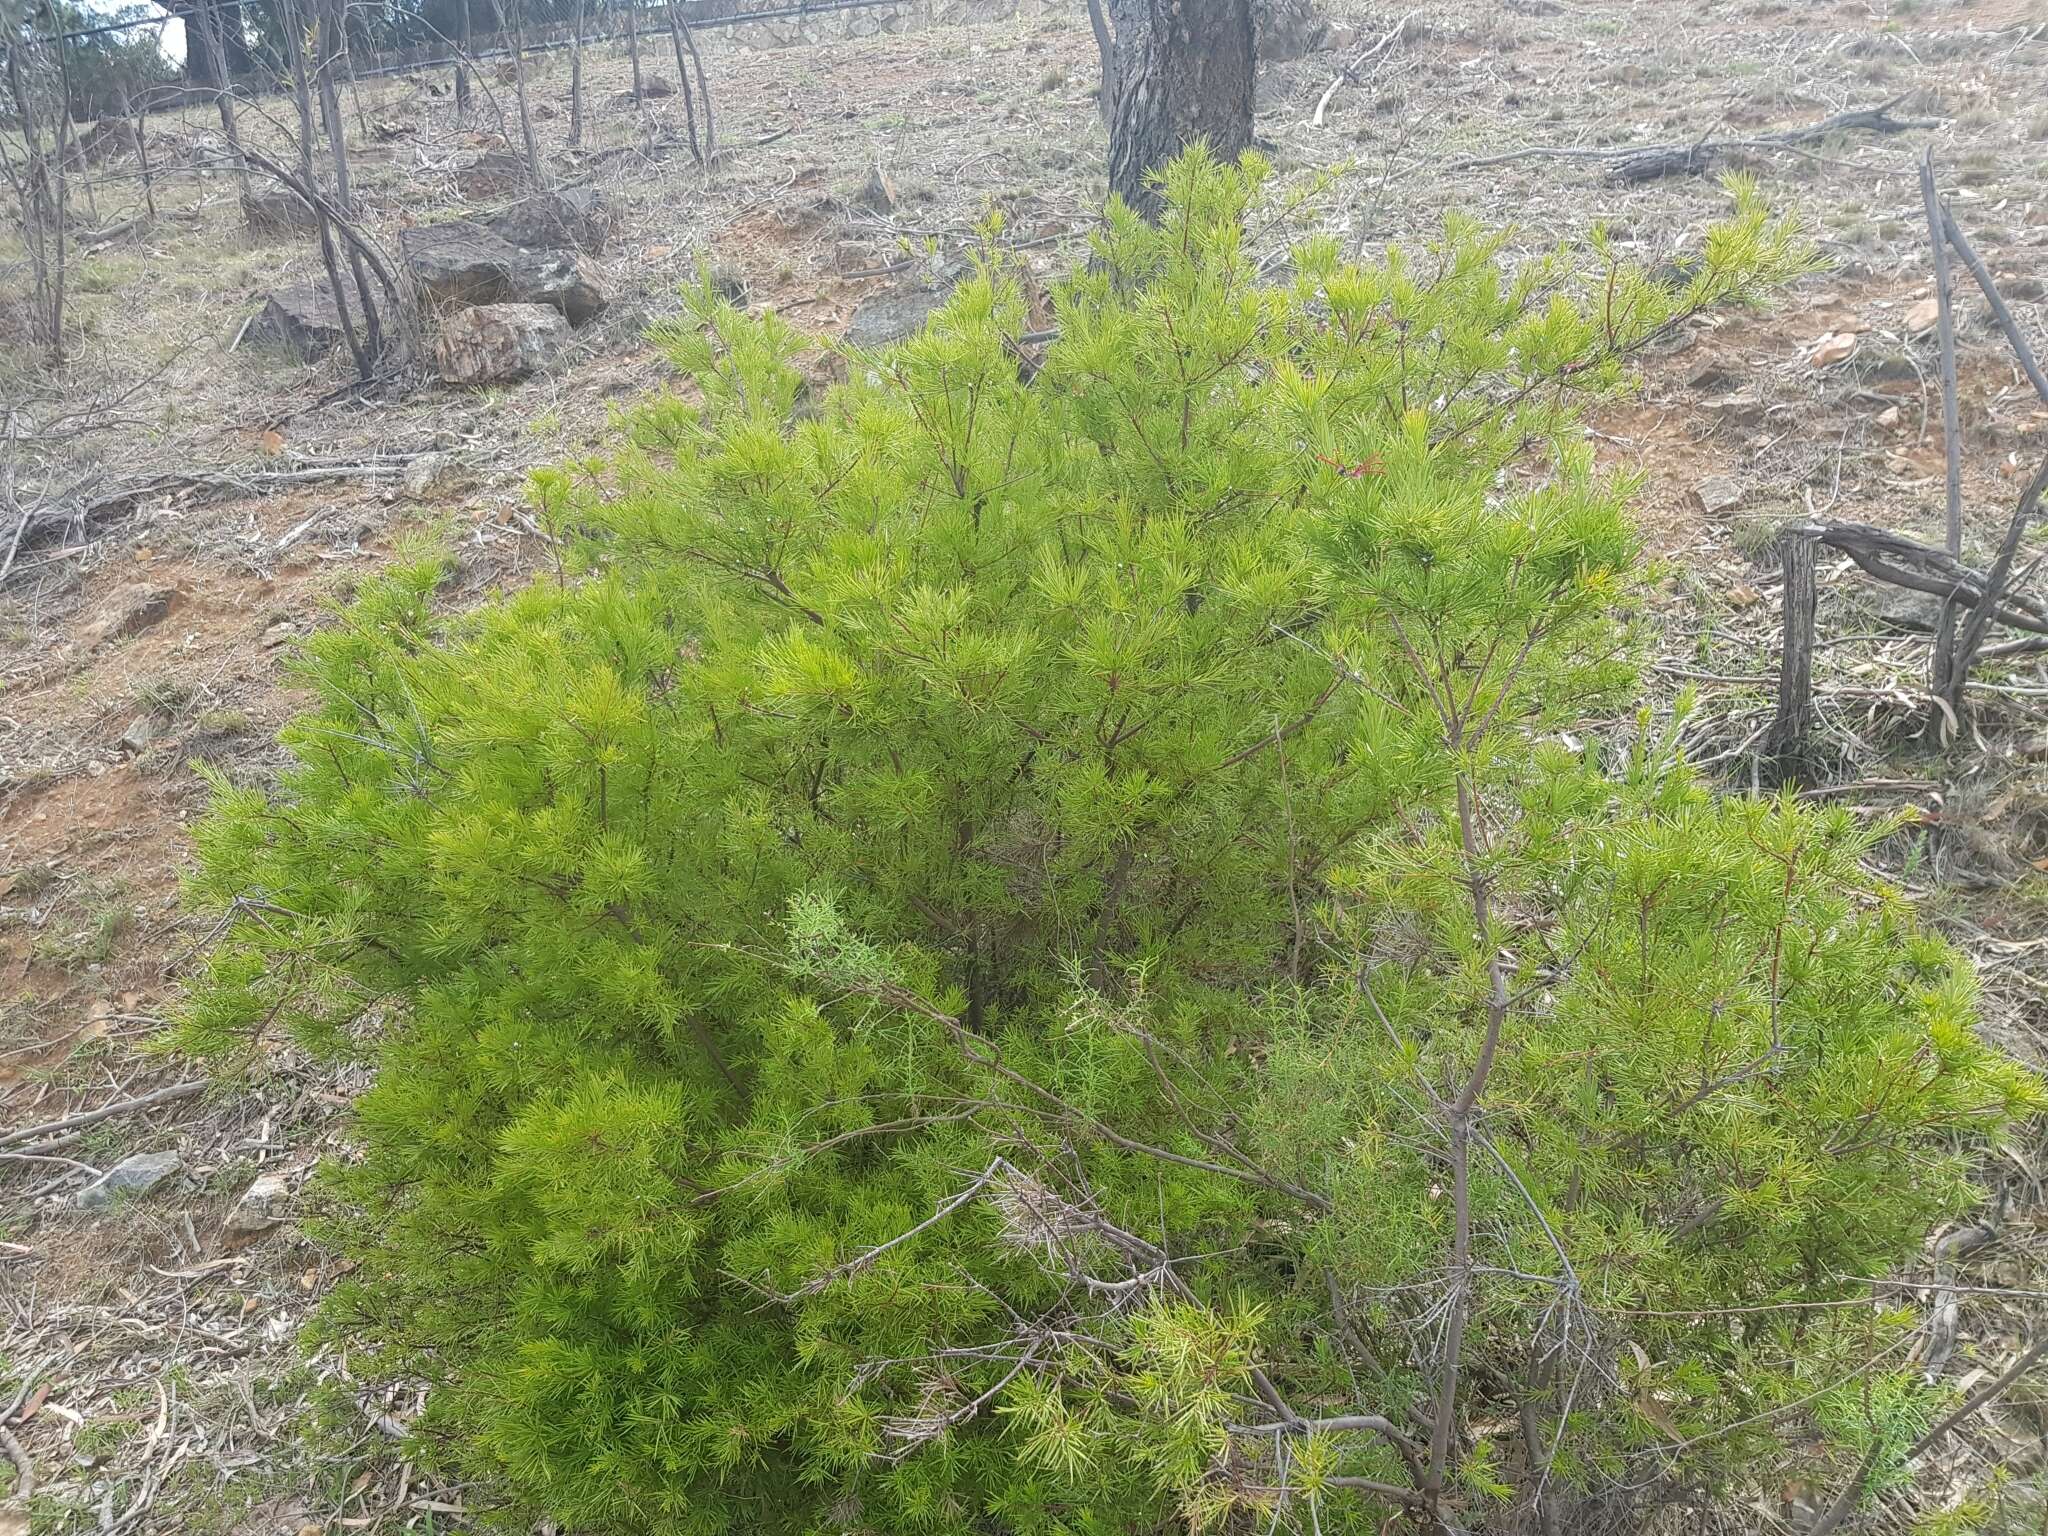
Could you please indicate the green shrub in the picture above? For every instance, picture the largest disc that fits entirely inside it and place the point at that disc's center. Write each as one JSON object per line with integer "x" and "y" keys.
{"x": 1041, "y": 956}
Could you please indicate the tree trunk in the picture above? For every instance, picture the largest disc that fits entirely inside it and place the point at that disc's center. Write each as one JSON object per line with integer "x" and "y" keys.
{"x": 703, "y": 93}
{"x": 462, "y": 62}
{"x": 214, "y": 51}
{"x": 295, "y": 37}
{"x": 518, "y": 17}
{"x": 576, "y": 80}
{"x": 633, "y": 46}
{"x": 1785, "y": 745}
{"x": 1184, "y": 71}
{"x": 675, "y": 33}
{"x": 332, "y": 39}
{"x": 66, "y": 135}
{"x": 214, "y": 67}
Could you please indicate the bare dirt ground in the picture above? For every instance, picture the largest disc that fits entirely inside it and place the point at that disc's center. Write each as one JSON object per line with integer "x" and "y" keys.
{"x": 150, "y": 1368}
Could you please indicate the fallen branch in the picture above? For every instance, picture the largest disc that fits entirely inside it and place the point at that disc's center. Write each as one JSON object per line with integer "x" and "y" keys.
{"x": 2028, "y": 363}
{"x": 1971, "y": 636}
{"x": 1982, "y": 1395}
{"x": 34, "y": 1133}
{"x": 1903, "y": 562}
{"x": 1347, "y": 74}
{"x": 1645, "y": 162}
{"x": 24, "y": 1469}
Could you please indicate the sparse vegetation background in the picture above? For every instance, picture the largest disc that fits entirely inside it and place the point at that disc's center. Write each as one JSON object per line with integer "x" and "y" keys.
{"x": 1161, "y": 891}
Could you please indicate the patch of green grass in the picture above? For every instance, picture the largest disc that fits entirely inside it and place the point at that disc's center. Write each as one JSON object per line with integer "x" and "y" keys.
{"x": 91, "y": 940}
{"x": 1756, "y": 534}
{"x": 165, "y": 695}
{"x": 225, "y": 722}
{"x": 32, "y": 880}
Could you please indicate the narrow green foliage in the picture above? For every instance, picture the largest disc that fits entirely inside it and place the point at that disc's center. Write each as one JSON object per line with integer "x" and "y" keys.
{"x": 960, "y": 970}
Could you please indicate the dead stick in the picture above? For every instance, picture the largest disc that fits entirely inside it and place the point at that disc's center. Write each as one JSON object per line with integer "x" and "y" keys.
{"x": 1982, "y": 1395}
{"x": 1349, "y": 71}
{"x": 1850, "y": 1496}
{"x": 1941, "y": 673}
{"x": 1942, "y": 575}
{"x": 2006, "y": 323}
{"x": 1972, "y": 635}
{"x": 168, "y": 1095}
{"x": 1786, "y": 742}
{"x": 1875, "y": 119}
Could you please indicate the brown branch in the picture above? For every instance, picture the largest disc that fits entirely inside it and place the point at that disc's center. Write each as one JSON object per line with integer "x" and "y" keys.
{"x": 32, "y": 1133}
{"x": 1663, "y": 159}
{"x": 2028, "y": 363}
{"x": 1903, "y": 562}
{"x": 1942, "y": 677}
{"x": 1983, "y": 1395}
{"x": 1972, "y": 635}
{"x": 1785, "y": 742}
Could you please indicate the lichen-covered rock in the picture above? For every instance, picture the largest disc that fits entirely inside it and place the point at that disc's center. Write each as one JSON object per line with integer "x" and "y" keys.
{"x": 497, "y": 343}
{"x": 563, "y": 280}
{"x": 136, "y": 1175}
{"x": 571, "y": 219}
{"x": 459, "y": 262}
{"x": 888, "y": 318}
{"x": 300, "y": 319}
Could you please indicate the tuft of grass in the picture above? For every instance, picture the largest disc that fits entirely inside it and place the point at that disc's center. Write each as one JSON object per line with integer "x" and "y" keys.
{"x": 32, "y": 880}
{"x": 164, "y": 695}
{"x": 225, "y": 722}
{"x": 106, "y": 918}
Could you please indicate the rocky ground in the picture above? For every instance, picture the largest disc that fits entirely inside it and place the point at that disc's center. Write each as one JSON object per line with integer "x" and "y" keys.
{"x": 150, "y": 1368}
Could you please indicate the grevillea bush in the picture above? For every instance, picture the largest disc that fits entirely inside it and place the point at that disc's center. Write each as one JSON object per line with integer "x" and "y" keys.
{"x": 1049, "y": 950}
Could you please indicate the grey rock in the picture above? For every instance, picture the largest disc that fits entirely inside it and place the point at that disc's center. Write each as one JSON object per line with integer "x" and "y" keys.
{"x": 136, "y": 1175}
{"x": 562, "y": 280}
{"x": 888, "y": 318}
{"x": 1714, "y": 495}
{"x": 1908, "y": 611}
{"x": 300, "y": 319}
{"x": 571, "y": 219}
{"x": 459, "y": 262}
{"x": 142, "y": 730}
{"x": 497, "y": 343}
{"x": 421, "y": 474}
{"x": 278, "y": 212}
{"x": 264, "y": 1204}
